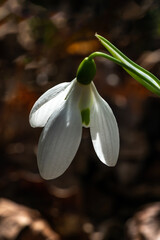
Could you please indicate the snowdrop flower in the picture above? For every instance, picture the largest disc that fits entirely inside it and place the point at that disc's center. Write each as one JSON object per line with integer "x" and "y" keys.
{"x": 62, "y": 111}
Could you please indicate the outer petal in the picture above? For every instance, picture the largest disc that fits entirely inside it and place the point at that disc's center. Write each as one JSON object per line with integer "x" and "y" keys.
{"x": 104, "y": 130}
{"x": 59, "y": 141}
{"x": 50, "y": 101}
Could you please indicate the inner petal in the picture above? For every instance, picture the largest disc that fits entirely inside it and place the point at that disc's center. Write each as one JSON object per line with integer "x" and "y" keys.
{"x": 85, "y": 114}
{"x": 85, "y": 104}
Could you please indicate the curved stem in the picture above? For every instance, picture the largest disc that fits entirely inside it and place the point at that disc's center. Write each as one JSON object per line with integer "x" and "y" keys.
{"x": 123, "y": 65}
{"x": 101, "y": 54}
{"x": 146, "y": 78}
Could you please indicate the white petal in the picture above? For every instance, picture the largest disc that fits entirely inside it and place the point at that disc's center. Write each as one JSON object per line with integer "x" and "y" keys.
{"x": 49, "y": 102}
{"x": 104, "y": 130}
{"x": 59, "y": 141}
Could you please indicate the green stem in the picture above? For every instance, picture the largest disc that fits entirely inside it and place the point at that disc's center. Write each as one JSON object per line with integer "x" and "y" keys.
{"x": 145, "y": 78}
{"x": 100, "y": 54}
{"x": 123, "y": 65}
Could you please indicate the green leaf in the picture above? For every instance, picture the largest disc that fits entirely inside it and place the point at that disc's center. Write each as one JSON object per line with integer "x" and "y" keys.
{"x": 140, "y": 74}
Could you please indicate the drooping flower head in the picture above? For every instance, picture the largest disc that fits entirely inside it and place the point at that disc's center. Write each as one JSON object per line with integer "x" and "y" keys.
{"x": 63, "y": 110}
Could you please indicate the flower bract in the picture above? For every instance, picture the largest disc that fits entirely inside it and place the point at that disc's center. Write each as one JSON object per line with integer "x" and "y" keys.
{"x": 63, "y": 110}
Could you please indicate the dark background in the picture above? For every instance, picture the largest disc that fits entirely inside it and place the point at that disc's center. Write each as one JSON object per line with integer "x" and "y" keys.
{"x": 42, "y": 44}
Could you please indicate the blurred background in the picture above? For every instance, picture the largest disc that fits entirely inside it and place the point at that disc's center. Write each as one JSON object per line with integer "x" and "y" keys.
{"x": 42, "y": 44}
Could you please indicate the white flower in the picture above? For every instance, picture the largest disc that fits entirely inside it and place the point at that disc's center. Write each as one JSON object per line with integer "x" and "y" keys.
{"x": 62, "y": 111}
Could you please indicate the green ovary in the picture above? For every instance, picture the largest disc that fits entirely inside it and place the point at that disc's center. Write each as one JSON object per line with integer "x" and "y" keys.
{"x": 85, "y": 114}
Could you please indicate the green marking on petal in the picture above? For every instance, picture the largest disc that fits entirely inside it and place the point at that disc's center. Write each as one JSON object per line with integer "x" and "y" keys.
{"x": 85, "y": 114}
